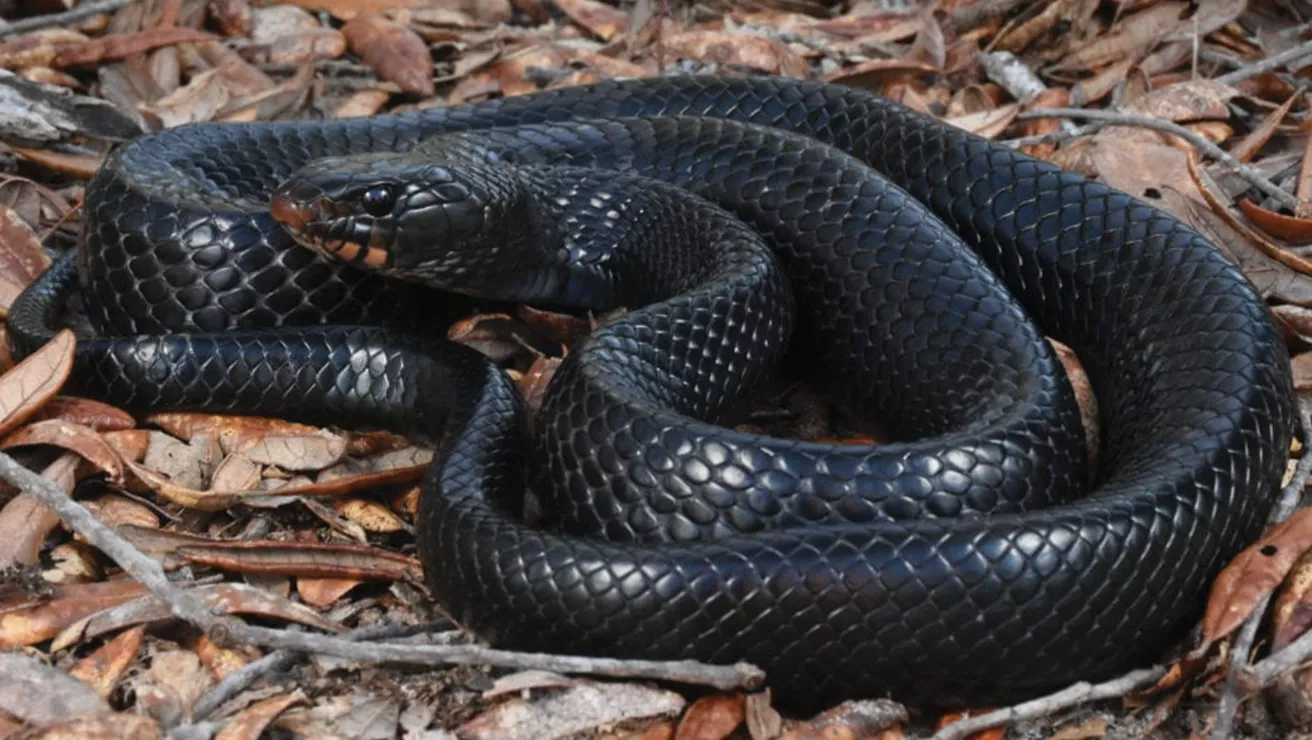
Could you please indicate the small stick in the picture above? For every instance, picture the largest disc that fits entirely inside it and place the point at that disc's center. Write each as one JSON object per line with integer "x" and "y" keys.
{"x": 1175, "y": 129}
{"x": 1266, "y": 65}
{"x": 229, "y": 631}
{"x": 236, "y": 681}
{"x": 1233, "y": 695}
{"x": 1080, "y": 693}
{"x": 68, "y": 16}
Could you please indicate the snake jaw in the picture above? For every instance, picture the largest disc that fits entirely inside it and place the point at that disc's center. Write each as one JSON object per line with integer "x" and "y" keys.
{"x": 316, "y": 226}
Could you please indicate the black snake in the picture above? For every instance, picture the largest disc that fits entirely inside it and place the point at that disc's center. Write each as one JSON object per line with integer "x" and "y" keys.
{"x": 973, "y": 561}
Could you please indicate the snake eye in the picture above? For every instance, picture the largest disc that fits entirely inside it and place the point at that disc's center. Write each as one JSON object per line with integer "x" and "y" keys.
{"x": 378, "y": 200}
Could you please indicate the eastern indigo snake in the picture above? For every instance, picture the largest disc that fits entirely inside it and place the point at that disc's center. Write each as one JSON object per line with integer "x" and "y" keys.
{"x": 974, "y": 560}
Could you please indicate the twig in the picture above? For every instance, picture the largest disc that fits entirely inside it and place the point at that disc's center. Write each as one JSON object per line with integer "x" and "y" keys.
{"x": 1232, "y": 695}
{"x": 68, "y": 16}
{"x": 725, "y": 677}
{"x": 143, "y": 569}
{"x": 1175, "y": 129}
{"x": 228, "y": 631}
{"x": 1079, "y": 693}
{"x": 236, "y": 681}
{"x": 976, "y": 13}
{"x": 1266, "y": 65}
{"x": 1055, "y": 136}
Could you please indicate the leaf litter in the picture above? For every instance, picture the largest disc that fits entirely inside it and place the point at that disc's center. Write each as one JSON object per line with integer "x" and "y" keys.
{"x": 303, "y": 525}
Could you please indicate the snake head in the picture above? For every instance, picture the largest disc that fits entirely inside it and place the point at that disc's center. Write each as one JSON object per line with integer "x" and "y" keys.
{"x": 398, "y": 212}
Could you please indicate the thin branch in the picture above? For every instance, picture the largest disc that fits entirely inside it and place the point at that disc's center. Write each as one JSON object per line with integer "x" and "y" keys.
{"x": 227, "y": 631}
{"x": 1080, "y": 693}
{"x": 236, "y": 681}
{"x": 59, "y": 19}
{"x": 1175, "y": 129}
{"x": 1233, "y": 694}
{"x": 1266, "y": 65}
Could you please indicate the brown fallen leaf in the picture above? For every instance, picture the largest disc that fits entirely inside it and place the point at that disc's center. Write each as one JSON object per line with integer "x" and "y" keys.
{"x": 21, "y": 256}
{"x": 741, "y": 49}
{"x": 72, "y": 437}
{"x": 1253, "y": 574}
{"x": 533, "y": 386}
{"x": 35, "y": 380}
{"x": 1258, "y": 137}
{"x": 349, "y": 9}
{"x": 1134, "y": 34}
{"x": 225, "y": 598}
{"x": 251, "y": 722}
{"x": 1090, "y": 728}
{"x": 118, "y": 46}
{"x": 988, "y": 124}
{"x": 30, "y": 624}
{"x": 392, "y": 50}
{"x": 114, "y": 511}
{"x": 76, "y": 165}
{"x": 116, "y": 726}
{"x": 25, "y": 522}
{"x": 602, "y": 20}
{"x": 88, "y": 412}
{"x": 172, "y": 684}
{"x": 712, "y": 717}
{"x": 219, "y": 660}
{"x": 370, "y": 514}
{"x": 299, "y": 452}
{"x": 102, "y": 669}
{"x": 1210, "y": 192}
{"x": 1292, "y": 229}
{"x": 872, "y": 75}
{"x": 1100, "y": 85}
{"x": 323, "y": 592}
{"x": 1184, "y": 102}
{"x": 1291, "y": 611}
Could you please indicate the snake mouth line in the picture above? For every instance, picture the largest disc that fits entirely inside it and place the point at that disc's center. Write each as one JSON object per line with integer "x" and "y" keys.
{"x": 299, "y": 218}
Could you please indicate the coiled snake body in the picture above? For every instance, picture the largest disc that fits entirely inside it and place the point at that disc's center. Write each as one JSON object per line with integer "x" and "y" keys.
{"x": 976, "y": 560}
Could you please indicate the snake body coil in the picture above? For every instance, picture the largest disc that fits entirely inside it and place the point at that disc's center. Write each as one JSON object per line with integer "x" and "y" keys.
{"x": 975, "y": 562}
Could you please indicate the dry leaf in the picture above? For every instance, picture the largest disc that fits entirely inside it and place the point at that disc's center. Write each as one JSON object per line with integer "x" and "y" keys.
{"x": 1290, "y": 228}
{"x": 1192, "y": 100}
{"x": 76, "y": 165}
{"x": 392, "y": 50}
{"x": 39, "y": 622}
{"x": 604, "y": 21}
{"x": 117, "y": 46}
{"x": 1134, "y": 34}
{"x": 988, "y": 124}
{"x": 35, "y": 380}
{"x": 102, "y": 669}
{"x": 72, "y": 437}
{"x": 171, "y": 685}
{"x": 300, "y": 452}
{"x": 251, "y": 722}
{"x": 304, "y": 559}
{"x": 1254, "y": 573}
{"x": 1090, "y": 728}
{"x": 88, "y": 412}
{"x": 1254, "y": 141}
{"x": 323, "y": 592}
{"x": 740, "y": 49}
{"x": 712, "y": 717}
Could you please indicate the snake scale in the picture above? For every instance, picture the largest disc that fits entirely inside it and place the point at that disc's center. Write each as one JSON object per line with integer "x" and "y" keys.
{"x": 913, "y": 268}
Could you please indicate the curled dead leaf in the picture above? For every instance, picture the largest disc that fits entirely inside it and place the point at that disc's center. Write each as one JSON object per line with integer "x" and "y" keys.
{"x": 72, "y": 437}
{"x": 1255, "y": 573}
{"x": 392, "y": 50}
{"x": 35, "y": 380}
